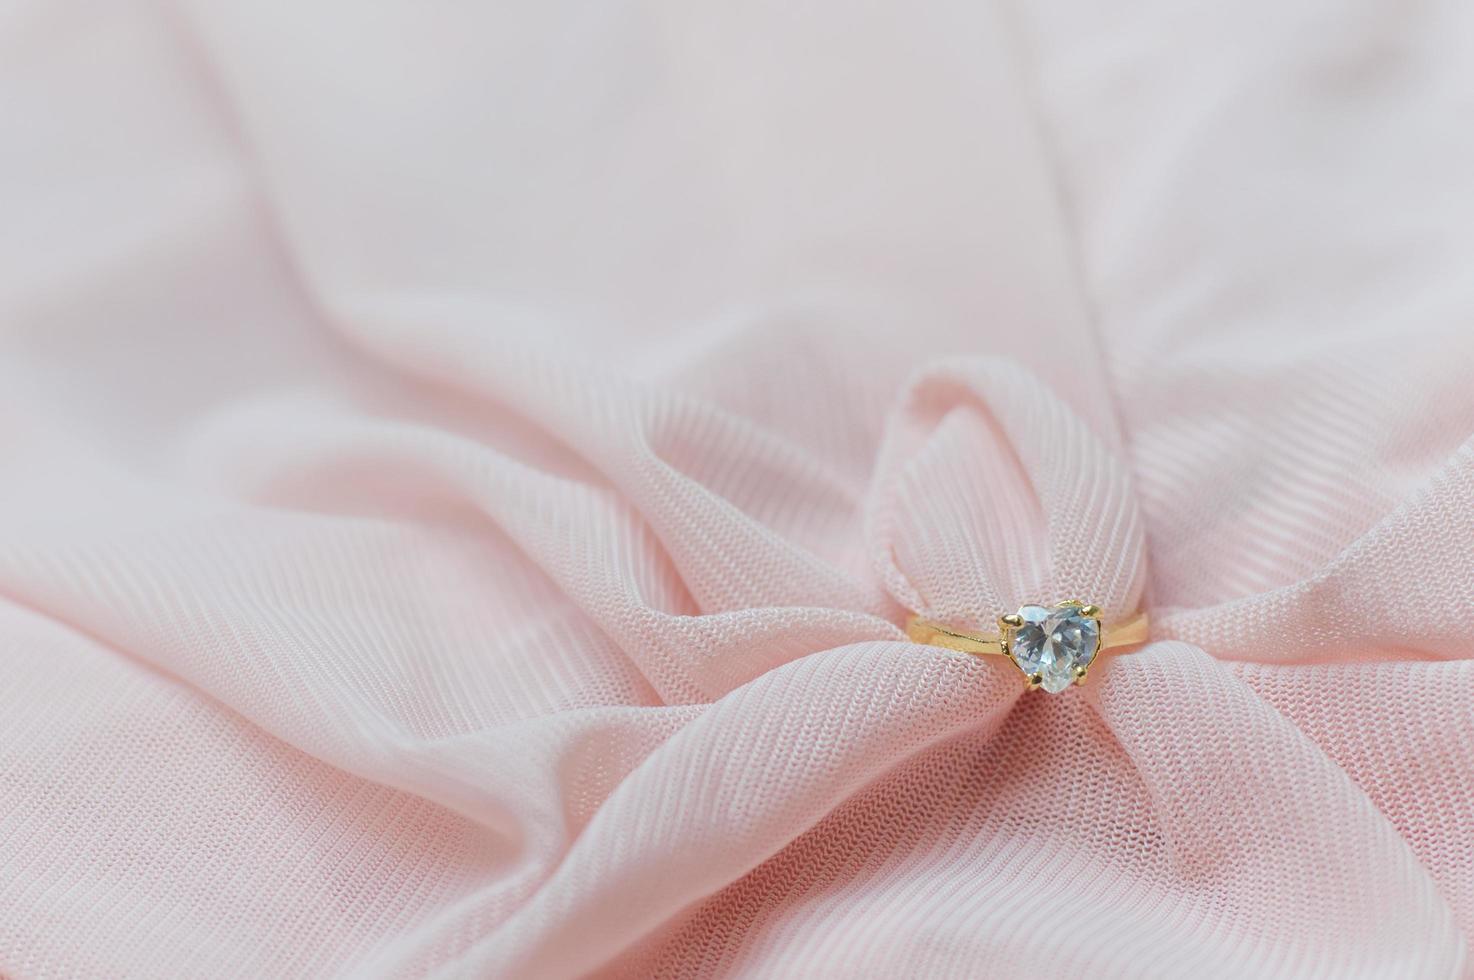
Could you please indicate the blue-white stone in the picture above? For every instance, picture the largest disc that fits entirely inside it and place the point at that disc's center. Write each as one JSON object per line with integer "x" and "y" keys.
{"x": 1053, "y": 642}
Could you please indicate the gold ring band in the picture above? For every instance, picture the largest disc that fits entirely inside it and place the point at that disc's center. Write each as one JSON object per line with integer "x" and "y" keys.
{"x": 1054, "y": 646}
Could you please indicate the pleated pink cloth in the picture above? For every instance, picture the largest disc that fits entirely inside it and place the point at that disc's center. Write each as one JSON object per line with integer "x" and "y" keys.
{"x": 465, "y": 466}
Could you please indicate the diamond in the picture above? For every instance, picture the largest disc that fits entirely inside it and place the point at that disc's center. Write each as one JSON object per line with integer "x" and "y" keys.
{"x": 1053, "y": 642}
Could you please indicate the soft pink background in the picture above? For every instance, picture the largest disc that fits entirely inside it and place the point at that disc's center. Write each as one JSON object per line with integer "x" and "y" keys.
{"x": 462, "y": 467}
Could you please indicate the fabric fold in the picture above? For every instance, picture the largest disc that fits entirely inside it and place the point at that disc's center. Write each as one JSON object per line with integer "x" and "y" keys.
{"x": 991, "y": 492}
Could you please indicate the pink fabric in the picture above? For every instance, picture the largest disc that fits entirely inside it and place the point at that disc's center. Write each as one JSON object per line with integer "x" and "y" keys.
{"x": 465, "y": 464}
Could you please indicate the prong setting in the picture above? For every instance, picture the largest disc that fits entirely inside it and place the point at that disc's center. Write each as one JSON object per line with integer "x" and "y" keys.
{"x": 1052, "y": 646}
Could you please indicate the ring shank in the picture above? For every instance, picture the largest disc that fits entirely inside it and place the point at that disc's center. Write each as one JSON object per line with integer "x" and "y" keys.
{"x": 1113, "y": 638}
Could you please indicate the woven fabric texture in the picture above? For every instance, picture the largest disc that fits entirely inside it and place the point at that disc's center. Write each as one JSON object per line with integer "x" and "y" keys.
{"x": 466, "y": 468}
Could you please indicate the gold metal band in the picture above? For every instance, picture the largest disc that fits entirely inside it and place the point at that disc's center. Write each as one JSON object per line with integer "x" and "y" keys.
{"x": 1127, "y": 633}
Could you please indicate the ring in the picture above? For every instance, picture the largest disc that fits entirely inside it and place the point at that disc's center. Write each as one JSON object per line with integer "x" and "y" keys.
{"x": 1054, "y": 646}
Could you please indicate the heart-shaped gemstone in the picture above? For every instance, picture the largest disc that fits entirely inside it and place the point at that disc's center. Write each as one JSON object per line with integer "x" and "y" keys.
{"x": 1054, "y": 644}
